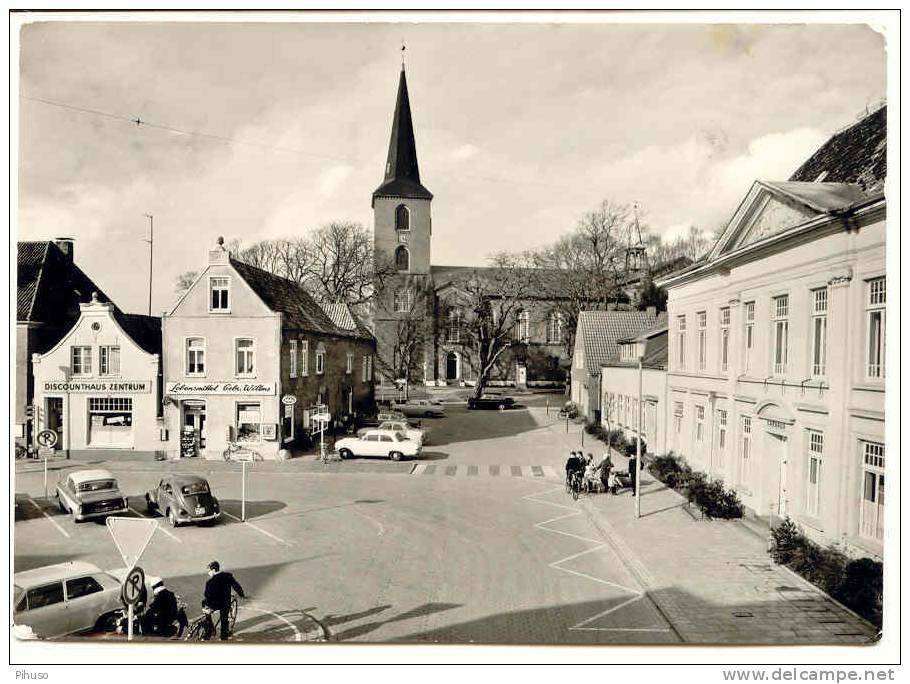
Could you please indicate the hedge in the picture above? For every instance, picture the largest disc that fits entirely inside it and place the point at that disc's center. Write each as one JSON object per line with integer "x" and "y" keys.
{"x": 857, "y": 583}
{"x": 711, "y": 497}
{"x": 615, "y": 438}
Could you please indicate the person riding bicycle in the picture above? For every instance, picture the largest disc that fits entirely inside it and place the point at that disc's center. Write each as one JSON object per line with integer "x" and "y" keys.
{"x": 218, "y": 589}
{"x": 163, "y": 614}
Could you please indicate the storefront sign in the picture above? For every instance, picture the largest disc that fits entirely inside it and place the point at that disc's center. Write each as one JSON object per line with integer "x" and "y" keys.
{"x": 102, "y": 386}
{"x": 238, "y": 388}
{"x": 288, "y": 400}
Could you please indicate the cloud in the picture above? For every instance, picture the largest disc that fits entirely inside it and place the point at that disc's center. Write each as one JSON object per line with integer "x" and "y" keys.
{"x": 329, "y": 181}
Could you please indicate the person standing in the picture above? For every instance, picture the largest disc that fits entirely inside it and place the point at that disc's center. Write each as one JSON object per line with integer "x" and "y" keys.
{"x": 633, "y": 472}
{"x": 218, "y": 589}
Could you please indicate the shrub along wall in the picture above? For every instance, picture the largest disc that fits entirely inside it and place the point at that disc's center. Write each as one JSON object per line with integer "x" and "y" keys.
{"x": 615, "y": 439}
{"x": 711, "y": 497}
{"x": 857, "y": 583}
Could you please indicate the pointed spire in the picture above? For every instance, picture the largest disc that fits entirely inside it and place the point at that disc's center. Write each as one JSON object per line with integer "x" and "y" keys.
{"x": 402, "y": 175}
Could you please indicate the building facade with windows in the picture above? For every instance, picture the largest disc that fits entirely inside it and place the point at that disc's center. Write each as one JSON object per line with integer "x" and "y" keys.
{"x": 99, "y": 387}
{"x": 249, "y": 357}
{"x": 619, "y": 380}
{"x": 776, "y": 376}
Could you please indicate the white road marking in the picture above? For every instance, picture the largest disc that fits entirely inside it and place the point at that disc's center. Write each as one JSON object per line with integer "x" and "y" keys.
{"x": 550, "y": 471}
{"x": 599, "y": 545}
{"x": 53, "y": 522}
{"x": 258, "y": 529}
{"x": 160, "y": 527}
{"x": 419, "y": 468}
{"x": 372, "y": 520}
{"x": 297, "y": 635}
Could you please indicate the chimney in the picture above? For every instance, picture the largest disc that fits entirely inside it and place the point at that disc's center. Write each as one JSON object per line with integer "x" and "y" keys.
{"x": 219, "y": 255}
{"x": 65, "y": 245}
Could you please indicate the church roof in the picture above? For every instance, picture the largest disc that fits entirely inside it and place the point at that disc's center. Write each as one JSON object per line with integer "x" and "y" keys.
{"x": 402, "y": 175}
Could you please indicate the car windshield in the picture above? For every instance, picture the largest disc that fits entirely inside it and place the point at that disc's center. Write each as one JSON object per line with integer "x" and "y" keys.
{"x": 195, "y": 488}
{"x": 97, "y": 485}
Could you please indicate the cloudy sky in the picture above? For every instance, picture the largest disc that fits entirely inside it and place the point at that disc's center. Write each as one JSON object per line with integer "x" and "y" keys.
{"x": 520, "y": 129}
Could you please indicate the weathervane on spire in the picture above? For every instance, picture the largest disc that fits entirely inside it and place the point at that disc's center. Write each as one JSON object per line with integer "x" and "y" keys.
{"x": 403, "y": 49}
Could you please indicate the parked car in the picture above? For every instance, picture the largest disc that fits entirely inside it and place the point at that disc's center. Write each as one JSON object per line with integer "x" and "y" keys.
{"x": 420, "y": 407}
{"x": 90, "y": 494}
{"x": 183, "y": 499}
{"x": 400, "y": 426}
{"x": 382, "y": 443}
{"x": 491, "y": 401}
{"x": 65, "y": 598}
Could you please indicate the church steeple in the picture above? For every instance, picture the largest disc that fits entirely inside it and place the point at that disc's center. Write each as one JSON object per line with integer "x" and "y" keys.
{"x": 402, "y": 175}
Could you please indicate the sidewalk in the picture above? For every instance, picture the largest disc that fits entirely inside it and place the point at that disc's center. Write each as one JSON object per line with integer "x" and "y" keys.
{"x": 713, "y": 580}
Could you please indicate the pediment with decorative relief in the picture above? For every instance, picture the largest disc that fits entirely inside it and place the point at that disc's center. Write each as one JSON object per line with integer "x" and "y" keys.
{"x": 771, "y": 216}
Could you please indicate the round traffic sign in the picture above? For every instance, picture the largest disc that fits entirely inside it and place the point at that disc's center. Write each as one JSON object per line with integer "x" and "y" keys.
{"x": 46, "y": 439}
{"x": 288, "y": 400}
{"x": 133, "y": 584}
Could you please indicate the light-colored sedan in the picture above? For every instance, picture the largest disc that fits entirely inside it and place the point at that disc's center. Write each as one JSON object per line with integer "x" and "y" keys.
{"x": 416, "y": 434}
{"x": 420, "y": 408}
{"x": 64, "y": 599}
{"x": 393, "y": 445}
{"x": 90, "y": 494}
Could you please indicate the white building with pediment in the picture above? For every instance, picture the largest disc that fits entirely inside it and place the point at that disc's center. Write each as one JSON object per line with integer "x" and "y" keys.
{"x": 776, "y": 376}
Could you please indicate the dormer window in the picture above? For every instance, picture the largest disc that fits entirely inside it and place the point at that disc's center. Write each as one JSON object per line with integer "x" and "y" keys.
{"x": 402, "y": 218}
{"x": 402, "y": 259}
{"x": 220, "y": 294}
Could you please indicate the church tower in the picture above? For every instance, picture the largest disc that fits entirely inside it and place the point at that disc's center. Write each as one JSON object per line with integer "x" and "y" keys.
{"x": 401, "y": 235}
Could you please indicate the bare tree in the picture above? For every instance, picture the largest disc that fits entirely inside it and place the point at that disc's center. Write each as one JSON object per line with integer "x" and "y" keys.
{"x": 693, "y": 245}
{"x": 413, "y": 332}
{"x": 183, "y": 282}
{"x": 491, "y": 300}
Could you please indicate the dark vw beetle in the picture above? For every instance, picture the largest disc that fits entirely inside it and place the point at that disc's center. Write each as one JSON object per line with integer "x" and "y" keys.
{"x": 183, "y": 499}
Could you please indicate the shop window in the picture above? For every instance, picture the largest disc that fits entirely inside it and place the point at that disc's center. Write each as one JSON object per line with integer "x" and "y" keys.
{"x": 292, "y": 370}
{"x": 220, "y": 294}
{"x": 109, "y": 360}
{"x": 249, "y": 422}
{"x": 110, "y": 421}
{"x": 875, "y": 329}
{"x": 872, "y": 500}
{"x": 81, "y": 361}
{"x": 245, "y": 357}
{"x": 195, "y": 356}
{"x": 816, "y": 442}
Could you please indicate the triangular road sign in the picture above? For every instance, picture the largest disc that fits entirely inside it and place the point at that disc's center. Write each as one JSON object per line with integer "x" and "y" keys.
{"x": 132, "y": 536}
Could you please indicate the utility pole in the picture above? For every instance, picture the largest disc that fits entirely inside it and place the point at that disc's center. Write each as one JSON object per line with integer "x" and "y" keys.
{"x": 151, "y": 242}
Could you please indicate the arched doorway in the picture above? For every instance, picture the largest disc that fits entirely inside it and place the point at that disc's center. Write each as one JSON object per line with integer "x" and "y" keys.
{"x": 452, "y": 366}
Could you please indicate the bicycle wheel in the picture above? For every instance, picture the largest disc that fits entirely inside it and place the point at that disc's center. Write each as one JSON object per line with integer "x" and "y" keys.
{"x": 232, "y": 615}
{"x": 199, "y": 631}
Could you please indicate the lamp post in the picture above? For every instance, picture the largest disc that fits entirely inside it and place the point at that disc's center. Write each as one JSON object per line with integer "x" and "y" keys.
{"x": 640, "y": 350}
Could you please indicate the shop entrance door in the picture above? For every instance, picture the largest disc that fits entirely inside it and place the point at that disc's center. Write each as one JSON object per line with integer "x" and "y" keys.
{"x": 53, "y": 410}
{"x": 194, "y": 417}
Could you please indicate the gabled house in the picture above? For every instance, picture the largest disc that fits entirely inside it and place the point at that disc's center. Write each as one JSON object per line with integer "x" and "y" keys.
{"x": 597, "y": 344}
{"x": 250, "y": 357}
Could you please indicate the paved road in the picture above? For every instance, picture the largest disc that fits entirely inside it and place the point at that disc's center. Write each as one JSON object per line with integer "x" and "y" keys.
{"x": 381, "y": 554}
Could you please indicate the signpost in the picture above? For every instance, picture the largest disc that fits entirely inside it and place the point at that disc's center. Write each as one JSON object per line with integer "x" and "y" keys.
{"x": 243, "y": 491}
{"x": 322, "y": 419}
{"x": 132, "y": 537}
{"x": 130, "y": 593}
{"x": 47, "y": 440}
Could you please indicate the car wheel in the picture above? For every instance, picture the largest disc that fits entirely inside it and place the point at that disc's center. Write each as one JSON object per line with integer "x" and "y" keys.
{"x": 395, "y": 455}
{"x": 502, "y": 407}
{"x": 172, "y": 517}
{"x": 345, "y": 454}
{"x": 107, "y": 623}
{"x": 427, "y": 414}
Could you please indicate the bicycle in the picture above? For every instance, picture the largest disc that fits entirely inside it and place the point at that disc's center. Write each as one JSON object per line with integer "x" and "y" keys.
{"x": 238, "y": 452}
{"x": 205, "y": 627}
{"x": 574, "y": 484}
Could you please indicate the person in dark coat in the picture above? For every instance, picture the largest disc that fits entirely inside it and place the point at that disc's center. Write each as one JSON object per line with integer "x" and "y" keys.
{"x": 218, "y": 589}
{"x": 162, "y": 611}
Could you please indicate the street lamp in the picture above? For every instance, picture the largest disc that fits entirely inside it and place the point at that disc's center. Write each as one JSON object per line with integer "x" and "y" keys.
{"x": 640, "y": 353}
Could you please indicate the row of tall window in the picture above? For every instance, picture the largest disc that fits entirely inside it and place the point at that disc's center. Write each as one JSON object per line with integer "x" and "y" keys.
{"x": 454, "y": 330}
{"x": 244, "y": 357}
{"x": 622, "y": 410}
{"x": 81, "y": 362}
{"x": 871, "y": 465}
{"x": 780, "y": 345}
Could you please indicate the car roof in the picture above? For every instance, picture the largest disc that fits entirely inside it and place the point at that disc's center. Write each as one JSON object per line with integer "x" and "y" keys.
{"x": 81, "y": 476}
{"x": 185, "y": 479}
{"x": 49, "y": 573}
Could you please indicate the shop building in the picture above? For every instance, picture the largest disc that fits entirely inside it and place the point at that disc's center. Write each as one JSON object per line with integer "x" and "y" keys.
{"x": 777, "y": 346}
{"x": 99, "y": 387}
{"x": 249, "y": 357}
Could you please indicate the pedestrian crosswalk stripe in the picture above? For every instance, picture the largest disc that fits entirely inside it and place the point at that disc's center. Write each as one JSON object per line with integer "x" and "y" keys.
{"x": 488, "y": 471}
